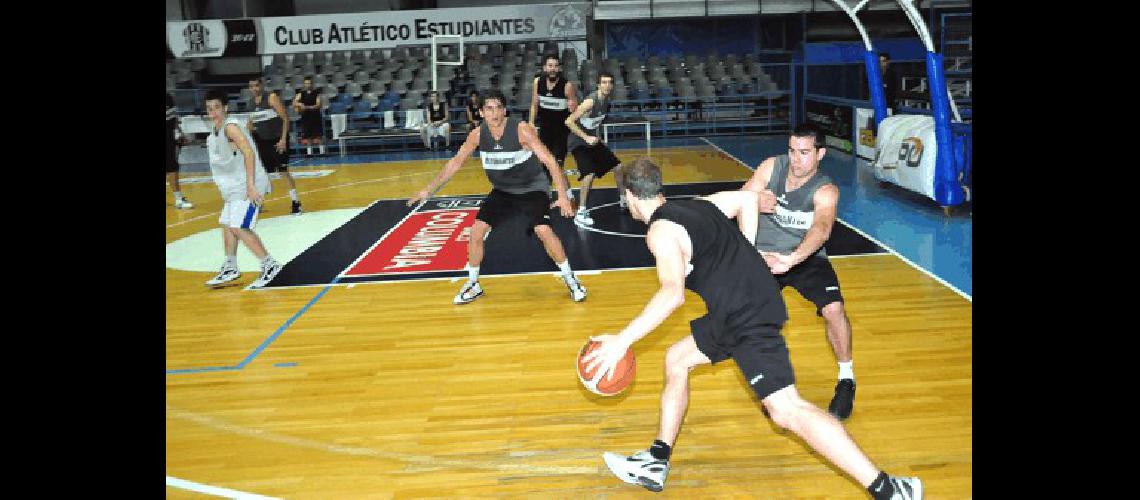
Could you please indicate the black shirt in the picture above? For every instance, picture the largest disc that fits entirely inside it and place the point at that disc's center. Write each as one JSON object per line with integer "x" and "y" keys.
{"x": 734, "y": 281}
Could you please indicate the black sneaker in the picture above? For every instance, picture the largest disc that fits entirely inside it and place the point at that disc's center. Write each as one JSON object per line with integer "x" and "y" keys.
{"x": 297, "y": 208}
{"x": 844, "y": 400}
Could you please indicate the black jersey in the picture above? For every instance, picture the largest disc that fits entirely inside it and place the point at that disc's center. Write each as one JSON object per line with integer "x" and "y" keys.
{"x": 734, "y": 281}
{"x": 435, "y": 113}
{"x": 268, "y": 129}
{"x": 553, "y": 107}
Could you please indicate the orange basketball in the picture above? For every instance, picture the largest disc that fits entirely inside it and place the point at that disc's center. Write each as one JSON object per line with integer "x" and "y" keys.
{"x": 622, "y": 373}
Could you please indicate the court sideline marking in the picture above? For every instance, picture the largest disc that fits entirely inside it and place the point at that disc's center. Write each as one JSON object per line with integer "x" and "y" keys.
{"x": 289, "y": 322}
{"x": 863, "y": 234}
{"x": 212, "y": 490}
{"x": 511, "y": 463}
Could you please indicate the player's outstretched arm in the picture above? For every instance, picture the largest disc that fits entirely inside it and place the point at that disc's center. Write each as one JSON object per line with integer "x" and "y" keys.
{"x": 758, "y": 183}
{"x": 743, "y": 205}
{"x": 666, "y": 241}
{"x": 528, "y": 138}
{"x": 449, "y": 168}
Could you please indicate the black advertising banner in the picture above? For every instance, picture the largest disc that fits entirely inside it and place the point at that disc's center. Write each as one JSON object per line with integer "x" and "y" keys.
{"x": 212, "y": 38}
{"x": 835, "y": 120}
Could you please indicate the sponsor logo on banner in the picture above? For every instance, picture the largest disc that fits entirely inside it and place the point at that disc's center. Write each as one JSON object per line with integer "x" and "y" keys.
{"x": 567, "y": 21}
{"x": 197, "y": 39}
{"x": 212, "y": 38}
{"x": 910, "y": 152}
{"x": 429, "y": 241}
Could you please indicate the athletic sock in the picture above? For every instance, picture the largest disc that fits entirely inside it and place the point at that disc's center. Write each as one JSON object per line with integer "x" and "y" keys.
{"x": 881, "y": 488}
{"x": 293, "y": 194}
{"x": 178, "y": 196}
{"x": 309, "y": 150}
{"x": 472, "y": 273}
{"x": 322, "y": 146}
{"x": 660, "y": 450}
{"x": 845, "y": 370}
{"x": 567, "y": 273}
{"x": 267, "y": 261}
{"x": 231, "y": 260}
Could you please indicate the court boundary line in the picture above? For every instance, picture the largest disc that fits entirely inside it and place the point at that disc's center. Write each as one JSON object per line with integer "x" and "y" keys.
{"x": 865, "y": 235}
{"x": 510, "y": 464}
{"x": 264, "y": 344}
{"x": 207, "y": 489}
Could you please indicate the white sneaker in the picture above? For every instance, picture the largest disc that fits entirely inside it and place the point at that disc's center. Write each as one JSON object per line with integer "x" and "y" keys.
{"x": 577, "y": 291}
{"x": 470, "y": 291}
{"x": 639, "y": 468}
{"x": 227, "y": 275}
{"x": 183, "y": 204}
{"x": 906, "y": 488}
{"x": 267, "y": 274}
{"x": 583, "y": 218}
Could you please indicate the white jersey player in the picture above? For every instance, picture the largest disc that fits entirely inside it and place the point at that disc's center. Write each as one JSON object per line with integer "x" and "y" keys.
{"x": 243, "y": 184}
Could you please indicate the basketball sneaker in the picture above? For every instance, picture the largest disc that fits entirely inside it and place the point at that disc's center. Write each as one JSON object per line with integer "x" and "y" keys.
{"x": 844, "y": 400}
{"x": 906, "y": 488}
{"x": 470, "y": 291}
{"x": 577, "y": 291}
{"x": 296, "y": 210}
{"x": 228, "y": 274}
{"x": 639, "y": 468}
{"x": 583, "y": 218}
{"x": 183, "y": 204}
{"x": 268, "y": 272}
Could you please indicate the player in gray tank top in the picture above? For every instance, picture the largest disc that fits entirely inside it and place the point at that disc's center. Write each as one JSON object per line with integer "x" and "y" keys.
{"x": 593, "y": 157}
{"x": 798, "y": 209}
{"x": 514, "y": 163}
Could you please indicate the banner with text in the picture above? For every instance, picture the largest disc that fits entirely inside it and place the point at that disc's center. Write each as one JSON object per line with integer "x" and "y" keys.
{"x": 387, "y": 29}
{"x": 212, "y": 38}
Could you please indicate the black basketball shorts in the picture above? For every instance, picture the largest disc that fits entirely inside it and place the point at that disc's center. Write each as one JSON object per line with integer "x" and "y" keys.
{"x": 815, "y": 280}
{"x": 267, "y": 151}
{"x": 596, "y": 159}
{"x": 760, "y": 353}
{"x": 554, "y": 137}
{"x": 498, "y": 206}
{"x": 171, "y": 156}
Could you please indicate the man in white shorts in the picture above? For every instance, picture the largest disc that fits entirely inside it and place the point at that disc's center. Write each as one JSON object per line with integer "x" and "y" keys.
{"x": 243, "y": 182}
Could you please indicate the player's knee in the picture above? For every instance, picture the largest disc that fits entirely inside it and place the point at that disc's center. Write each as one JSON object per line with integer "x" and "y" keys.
{"x": 543, "y": 232}
{"x": 785, "y": 408}
{"x": 677, "y": 360}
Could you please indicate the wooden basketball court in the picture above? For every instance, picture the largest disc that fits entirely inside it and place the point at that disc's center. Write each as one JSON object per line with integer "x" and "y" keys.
{"x": 387, "y": 390}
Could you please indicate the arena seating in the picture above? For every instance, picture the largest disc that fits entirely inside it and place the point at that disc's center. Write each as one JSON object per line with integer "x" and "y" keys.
{"x": 682, "y": 92}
